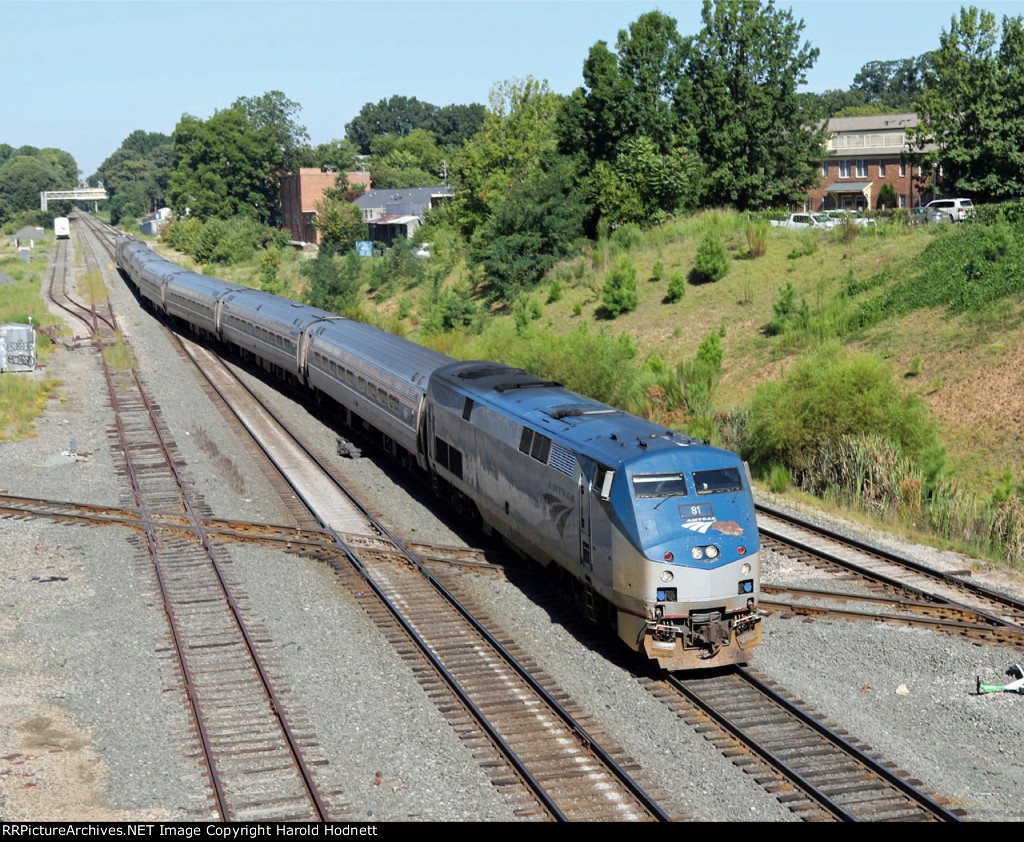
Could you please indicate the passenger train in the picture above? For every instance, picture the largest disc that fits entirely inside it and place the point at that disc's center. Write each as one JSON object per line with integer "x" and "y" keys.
{"x": 657, "y": 529}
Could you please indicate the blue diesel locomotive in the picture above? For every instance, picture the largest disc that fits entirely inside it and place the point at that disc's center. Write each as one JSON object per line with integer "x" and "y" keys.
{"x": 657, "y": 529}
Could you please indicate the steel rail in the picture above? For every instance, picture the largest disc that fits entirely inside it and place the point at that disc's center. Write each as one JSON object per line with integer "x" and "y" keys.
{"x": 918, "y": 798}
{"x": 909, "y": 563}
{"x": 189, "y": 506}
{"x": 564, "y": 715}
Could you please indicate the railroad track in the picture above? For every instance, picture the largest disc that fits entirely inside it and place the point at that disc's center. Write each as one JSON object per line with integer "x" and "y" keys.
{"x": 967, "y": 608}
{"x": 374, "y": 554}
{"x": 258, "y": 767}
{"x": 537, "y": 753}
{"x": 816, "y": 769}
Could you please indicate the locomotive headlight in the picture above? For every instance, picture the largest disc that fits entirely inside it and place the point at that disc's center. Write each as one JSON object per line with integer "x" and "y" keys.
{"x": 667, "y": 576}
{"x": 745, "y": 570}
{"x": 712, "y": 552}
{"x": 697, "y": 553}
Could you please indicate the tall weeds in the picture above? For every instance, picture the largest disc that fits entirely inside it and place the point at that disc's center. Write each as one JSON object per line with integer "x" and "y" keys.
{"x": 757, "y": 236}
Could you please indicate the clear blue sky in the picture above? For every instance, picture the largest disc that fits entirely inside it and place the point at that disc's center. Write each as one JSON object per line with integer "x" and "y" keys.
{"x": 81, "y": 76}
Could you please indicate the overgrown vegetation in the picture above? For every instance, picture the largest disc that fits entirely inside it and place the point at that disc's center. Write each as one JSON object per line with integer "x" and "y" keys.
{"x": 24, "y": 395}
{"x": 222, "y": 241}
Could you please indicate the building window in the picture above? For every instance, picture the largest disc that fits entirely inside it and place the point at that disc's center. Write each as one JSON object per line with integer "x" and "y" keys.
{"x": 881, "y": 169}
{"x": 824, "y": 169}
{"x": 862, "y": 169}
{"x": 903, "y": 169}
{"x": 903, "y": 200}
{"x": 844, "y": 169}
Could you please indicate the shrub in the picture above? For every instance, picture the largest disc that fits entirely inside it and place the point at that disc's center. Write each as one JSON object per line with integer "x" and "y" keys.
{"x": 619, "y": 294}
{"x": 712, "y": 260}
{"x": 826, "y": 396}
{"x": 676, "y": 287}
{"x": 788, "y": 316}
{"x": 628, "y": 236}
{"x": 554, "y": 291}
{"x": 226, "y": 241}
{"x": 658, "y": 272}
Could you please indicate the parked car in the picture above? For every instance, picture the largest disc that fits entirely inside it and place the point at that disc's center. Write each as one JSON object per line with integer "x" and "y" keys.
{"x": 948, "y": 210}
{"x": 805, "y": 220}
{"x": 840, "y": 215}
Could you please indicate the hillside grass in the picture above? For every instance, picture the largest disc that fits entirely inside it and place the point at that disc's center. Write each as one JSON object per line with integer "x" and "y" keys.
{"x": 892, "y": 291}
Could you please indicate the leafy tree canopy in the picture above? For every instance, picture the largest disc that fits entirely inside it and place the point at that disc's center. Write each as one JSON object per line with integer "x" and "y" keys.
{"x": 136, "y": 175}
{"x": 972, "y": 104}
{"x": 633, "y": 91}
{"x": 229, "y": 165}
{"x": 410, "y": 161}
{"x": 753, "y": 131}
{"x": 452, "y": 125}
{"x": 28, "y": 171}
{"x": 340, "y": 225}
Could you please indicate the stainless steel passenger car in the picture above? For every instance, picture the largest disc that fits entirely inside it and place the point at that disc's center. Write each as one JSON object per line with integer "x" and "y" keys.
{"x": 271, "y": 329}
{"x": 379, "y": 377}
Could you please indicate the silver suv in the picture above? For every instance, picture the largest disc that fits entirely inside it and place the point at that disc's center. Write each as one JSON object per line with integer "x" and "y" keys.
{"x": 948, "y": 210}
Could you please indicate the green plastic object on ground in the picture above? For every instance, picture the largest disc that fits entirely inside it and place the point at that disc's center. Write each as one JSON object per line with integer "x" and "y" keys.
{"x": 1017, "y": 686}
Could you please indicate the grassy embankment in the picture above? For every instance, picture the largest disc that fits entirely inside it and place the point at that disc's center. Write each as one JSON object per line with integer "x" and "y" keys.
{"x": 959, "y": 360}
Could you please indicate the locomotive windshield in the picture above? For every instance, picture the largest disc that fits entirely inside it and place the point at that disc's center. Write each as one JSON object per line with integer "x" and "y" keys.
{"x": 718, "y": 481}
{"x": 660, "y": 485}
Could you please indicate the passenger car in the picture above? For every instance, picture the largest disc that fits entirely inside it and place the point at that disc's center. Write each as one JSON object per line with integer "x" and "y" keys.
{"x": 948, "y": 210}
{"x": 841, "y": 215}
{"x": 805, "y": 220}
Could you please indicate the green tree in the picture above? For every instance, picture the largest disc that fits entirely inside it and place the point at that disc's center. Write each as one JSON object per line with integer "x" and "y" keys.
{"x": 136, "y": 175}
{"x": 516, "y": 201}
{"x": 412, "y": 160}
{"x": 895, "y": 85}
{"x": 23, "y": 178}
{"x": 341, "y": 156}
{"x": 397, "y": 116}
{"x": 230, "y": 164}
{"x": 627, "y": 123}
{"x": 333, "y": 283}
{"x": 453, "y": 125}
{"x": 528, "y": 227}
{"x": 633, "y": 91}
{"x": 340, "y": 225}
{"x": 972, "y": 105}
{"x": 644, "y": 185}
{"x": 760, "y": 146}
{"x": 711, "y": 263}
{"x": 619, "y": 293}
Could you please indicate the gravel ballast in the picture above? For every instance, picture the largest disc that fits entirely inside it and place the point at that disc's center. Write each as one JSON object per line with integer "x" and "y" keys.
{"x": 88, "y": 729}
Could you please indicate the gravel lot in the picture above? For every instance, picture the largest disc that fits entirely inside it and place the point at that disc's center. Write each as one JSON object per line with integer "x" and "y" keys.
{"x": 89, "y": 731}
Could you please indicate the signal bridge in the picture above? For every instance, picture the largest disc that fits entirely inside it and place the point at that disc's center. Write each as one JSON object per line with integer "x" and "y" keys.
{"x": 81, "y": 194}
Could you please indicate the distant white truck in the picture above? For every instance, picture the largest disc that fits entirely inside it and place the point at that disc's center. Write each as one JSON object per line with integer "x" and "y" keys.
{"x": 805, "y": 220}
{"x": 62, "y": 228}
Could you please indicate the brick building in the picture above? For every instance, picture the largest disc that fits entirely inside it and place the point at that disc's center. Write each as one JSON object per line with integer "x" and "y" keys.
{"x": 301, "y": 191}
{"x": 863, "y": 153}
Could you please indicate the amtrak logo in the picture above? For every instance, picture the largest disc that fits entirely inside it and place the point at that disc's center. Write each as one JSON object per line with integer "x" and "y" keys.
{"x": 726, "y": 527}
{"x": 558, "y": 512}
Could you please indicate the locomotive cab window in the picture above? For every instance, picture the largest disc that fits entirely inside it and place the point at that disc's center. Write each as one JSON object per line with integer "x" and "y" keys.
{"x": 660, "y": 485}
{"x": 718, "y": 481}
